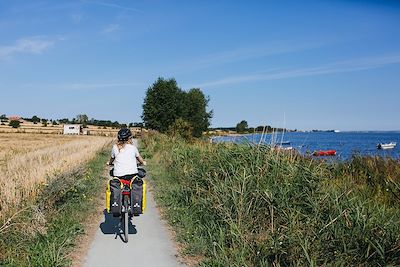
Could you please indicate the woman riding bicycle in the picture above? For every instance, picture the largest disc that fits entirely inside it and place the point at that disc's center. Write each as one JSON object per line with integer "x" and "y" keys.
{"x": 124, "y": 155}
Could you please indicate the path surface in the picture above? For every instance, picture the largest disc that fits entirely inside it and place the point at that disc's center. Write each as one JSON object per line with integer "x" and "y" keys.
{"x": 149, "y": 242}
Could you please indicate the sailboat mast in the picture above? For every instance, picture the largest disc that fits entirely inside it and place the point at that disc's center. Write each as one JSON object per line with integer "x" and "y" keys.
{"x": 284, "y": 126}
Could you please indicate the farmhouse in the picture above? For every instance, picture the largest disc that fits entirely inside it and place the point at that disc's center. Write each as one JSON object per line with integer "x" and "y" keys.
{"x": 73, "y": 129}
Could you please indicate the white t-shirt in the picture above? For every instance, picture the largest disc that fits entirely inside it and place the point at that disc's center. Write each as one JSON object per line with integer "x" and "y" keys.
{"x": 125, "y": 160}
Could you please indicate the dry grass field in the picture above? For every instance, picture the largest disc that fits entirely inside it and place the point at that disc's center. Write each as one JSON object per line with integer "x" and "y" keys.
{"x": 30, "y": 160}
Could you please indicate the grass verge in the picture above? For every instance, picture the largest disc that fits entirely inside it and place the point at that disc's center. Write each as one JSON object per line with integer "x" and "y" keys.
{"x": 44, "y": 234}
{"x": 236, "y": 205}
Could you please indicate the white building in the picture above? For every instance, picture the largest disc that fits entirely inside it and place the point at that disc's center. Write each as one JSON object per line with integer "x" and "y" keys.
{"x": 73, "y": 129}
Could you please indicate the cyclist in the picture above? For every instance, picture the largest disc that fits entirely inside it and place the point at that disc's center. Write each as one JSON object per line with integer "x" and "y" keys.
{"x": 124, "y": 155}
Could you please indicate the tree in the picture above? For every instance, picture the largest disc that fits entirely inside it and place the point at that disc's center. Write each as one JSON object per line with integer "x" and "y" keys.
{"x": 82, "y": 119}
{"x": 241, "y": 126}
{"x": 44, "y": 122}
{"x": 265, "y": 128}
{"x": 14, "y": 123}
{"x": 165, "y": 103}
{"x": 35, "y": 119}
{"x": 63, "y": 121}
{"x": 196, "y": 113}
{"x": 162, "y": 104}
{"x": 3, "y": 118}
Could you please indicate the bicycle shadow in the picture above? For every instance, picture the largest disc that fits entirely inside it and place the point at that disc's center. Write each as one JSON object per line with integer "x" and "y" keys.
{"x": 111, "y": 225}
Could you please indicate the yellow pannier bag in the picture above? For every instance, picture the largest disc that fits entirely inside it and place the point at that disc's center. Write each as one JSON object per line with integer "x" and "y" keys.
{"x": 144, "y": 196}
{"x": 108, "y": 197}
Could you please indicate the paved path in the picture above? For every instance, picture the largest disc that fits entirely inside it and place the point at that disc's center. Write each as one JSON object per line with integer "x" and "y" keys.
{"x": 149, "y": 242}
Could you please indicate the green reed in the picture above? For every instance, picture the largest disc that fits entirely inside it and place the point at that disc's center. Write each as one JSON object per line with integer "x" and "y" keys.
{"x": 238, "y": 205}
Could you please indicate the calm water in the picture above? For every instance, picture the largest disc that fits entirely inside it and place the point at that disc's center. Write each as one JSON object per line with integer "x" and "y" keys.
{"x": 345, "y": 143}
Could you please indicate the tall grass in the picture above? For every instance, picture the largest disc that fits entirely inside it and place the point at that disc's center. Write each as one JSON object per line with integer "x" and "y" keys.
{"x": 44, "y": 233}
{"x": 236, "y": 205}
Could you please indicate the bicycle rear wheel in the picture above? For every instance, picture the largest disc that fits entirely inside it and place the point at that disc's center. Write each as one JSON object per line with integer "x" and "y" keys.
{"x": 126, "y": 219}
{"x": 126, "y": 226}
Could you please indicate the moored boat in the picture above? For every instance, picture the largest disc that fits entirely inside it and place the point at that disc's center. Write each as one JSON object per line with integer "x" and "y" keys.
{"x": 324, "y": 153}
{"x": 287, "y": 148}
{"x": 386, "y": 145}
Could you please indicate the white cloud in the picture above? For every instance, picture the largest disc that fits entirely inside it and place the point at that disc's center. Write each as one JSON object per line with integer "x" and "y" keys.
{"x": 29, "y": 45}
{"x": 118, "y": 6}
{"x": 111, "y": 28}
{"x": 336, "y": 67}
{"x": 245, "y": 53}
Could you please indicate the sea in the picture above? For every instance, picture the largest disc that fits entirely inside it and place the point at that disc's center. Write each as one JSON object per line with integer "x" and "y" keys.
{"x": 346, "y": 144}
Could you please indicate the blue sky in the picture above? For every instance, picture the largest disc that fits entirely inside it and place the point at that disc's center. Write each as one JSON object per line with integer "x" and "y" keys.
{"x": 324, "y": 64}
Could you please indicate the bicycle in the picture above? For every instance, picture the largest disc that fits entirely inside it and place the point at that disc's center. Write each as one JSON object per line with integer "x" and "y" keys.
{"x": 127, "y": 211}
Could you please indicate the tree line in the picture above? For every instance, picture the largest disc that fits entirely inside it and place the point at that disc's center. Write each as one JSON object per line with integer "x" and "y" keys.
{"x": 79, "y": 119}
{"x": 243, "y": 127}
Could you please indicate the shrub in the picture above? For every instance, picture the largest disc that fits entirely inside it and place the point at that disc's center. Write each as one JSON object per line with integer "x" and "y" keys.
{"x": 15, "y": 123}
{"x": 181, "y": 128}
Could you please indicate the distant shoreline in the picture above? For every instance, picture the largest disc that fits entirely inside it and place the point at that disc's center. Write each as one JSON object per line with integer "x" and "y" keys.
{"x": 294, "y": 132}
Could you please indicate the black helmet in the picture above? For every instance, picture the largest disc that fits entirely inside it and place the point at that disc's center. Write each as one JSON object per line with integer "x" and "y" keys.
{"x": 124, "y": 134}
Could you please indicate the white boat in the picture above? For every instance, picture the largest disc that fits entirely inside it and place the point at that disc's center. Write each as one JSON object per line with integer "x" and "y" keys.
{"x": 386, "y": 145}
{"x": 285, "y": 148}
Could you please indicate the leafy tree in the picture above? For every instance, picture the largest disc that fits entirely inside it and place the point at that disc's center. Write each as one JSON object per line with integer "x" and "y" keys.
{"x": 163, "y": 104}
{"x": 82, "y": 119}
{"x": 15, "y": 123}
{"x": 44, "y": 122}
{"x": 261, "y": 128}
{"x": 64, "y": 121}
{"x": 196, "y": 113}
{"x": 35, "y": 119}
{"x": 3, "y": 118}
{"x": 241, "y": 126}
{"x": 115, "y": 124}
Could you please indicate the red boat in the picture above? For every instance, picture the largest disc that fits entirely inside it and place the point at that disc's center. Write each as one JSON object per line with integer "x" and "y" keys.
{"x": 324, "y": 153}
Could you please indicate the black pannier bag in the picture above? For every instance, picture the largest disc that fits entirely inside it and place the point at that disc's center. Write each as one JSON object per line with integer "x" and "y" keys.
{"x": 141, "y": 172}
{"x": 115, "y": 197}
{"x": 138, "y": 196}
